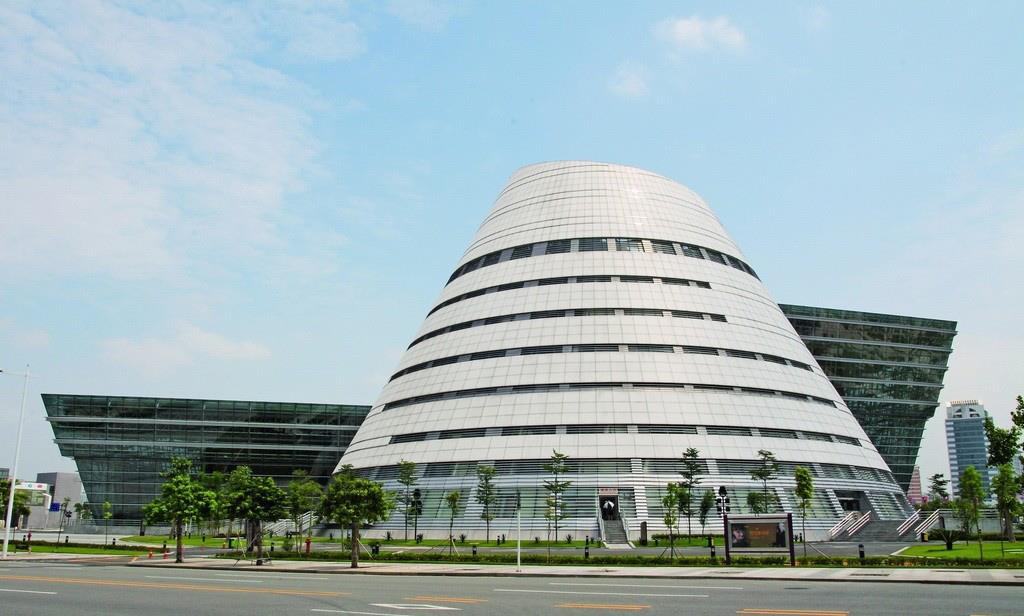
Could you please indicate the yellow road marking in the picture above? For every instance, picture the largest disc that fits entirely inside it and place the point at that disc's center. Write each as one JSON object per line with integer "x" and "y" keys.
{"x": 133, "y": 584}
{"x": 603, "y": 606}
{"x": 445, "y": 599}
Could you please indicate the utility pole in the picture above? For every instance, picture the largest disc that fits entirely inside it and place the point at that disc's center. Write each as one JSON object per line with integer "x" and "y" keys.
{"x": 14, "y": 470}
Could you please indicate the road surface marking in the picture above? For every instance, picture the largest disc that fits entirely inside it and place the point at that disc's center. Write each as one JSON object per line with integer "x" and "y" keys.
{"x": 603, "y": 606}
{"x": 31, "y": 592}
{"x": 163, "y": 585}
{"x": 647, "y": 586}
{"x": 197, "y": 579}
{"x": 784, "y": 612}
{"x": 360, "y": 613}
{"x": 416, "y": 606}
{"x": 269, "y": 576}
{"x": 583, "y": 592}
{"x": 446, "y": 599}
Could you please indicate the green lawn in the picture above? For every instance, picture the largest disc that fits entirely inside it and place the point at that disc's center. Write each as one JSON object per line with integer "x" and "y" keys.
{"x": 194, "y": 540}
{"x": 695, "y": 541}
{"x": 528, "y": 542}
{"x": 1014, "y": 551}
{"x": 38, "y": 548}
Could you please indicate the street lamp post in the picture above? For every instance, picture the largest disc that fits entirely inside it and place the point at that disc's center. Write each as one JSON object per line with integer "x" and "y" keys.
{"x": 17, "y": 456}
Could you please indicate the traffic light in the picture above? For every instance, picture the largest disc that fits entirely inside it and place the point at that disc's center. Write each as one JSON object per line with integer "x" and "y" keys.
{"x": 722, "y": 500}
{"x": 417, "y": 502}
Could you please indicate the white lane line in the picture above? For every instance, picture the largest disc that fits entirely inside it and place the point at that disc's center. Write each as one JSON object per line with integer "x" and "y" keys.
{"x": 581, "y": 592}
{"x": 649, "y": 586}
{"x": 31, "y": 592}
{"x": 363, "y": 613}
{"x": 197, "y": 579}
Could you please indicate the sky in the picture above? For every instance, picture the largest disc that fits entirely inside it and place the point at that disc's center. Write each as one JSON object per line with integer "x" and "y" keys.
{"x": 262, "y": 201}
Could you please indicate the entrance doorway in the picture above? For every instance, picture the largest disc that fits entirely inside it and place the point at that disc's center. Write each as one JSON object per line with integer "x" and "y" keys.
{"x": 609, "y": 505}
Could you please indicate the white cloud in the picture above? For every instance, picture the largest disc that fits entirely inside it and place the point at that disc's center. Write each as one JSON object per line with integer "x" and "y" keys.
{"x": 630, "y": 81}
{"x": 155, "y": 356}
{"x": 430, "y": 15}
{"x": 698, "y": 34}
{"x": 142, "y": 141}
{"x": 816, "y": 19}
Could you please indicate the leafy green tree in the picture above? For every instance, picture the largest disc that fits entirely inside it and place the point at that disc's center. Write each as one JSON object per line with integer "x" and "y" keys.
{"x": 20, "y": 502}
{"x": 691, "y": 470}
{"x": 454, "y": 501}
{"x": 670, "y": 505}
{"x": 351, "y": 501}
{"x": 1003, "y": 443}
{"x": 804, "y": 496}
{"x": 255, "y": 500}
{"x": 301, "y": 496}
{"x": 555, "y": 487}
{"x": 486, "y": 494}
{"x": 214, "y": 481}
{"x": 182, "y": 499}
{"x": 767, "y": 471}
{"x": 707, "y": 503}
{"x": 108, "y": 512}
{"x": 82, "y": 511}
{"x": 407, "y": 478}
{"x": 1005, "y": 487}
{"x": 972, "y": 497}
{"x": 937, "y": 490}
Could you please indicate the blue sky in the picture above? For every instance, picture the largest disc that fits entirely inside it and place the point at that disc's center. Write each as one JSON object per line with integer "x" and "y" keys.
{"x": 262, "y": 201}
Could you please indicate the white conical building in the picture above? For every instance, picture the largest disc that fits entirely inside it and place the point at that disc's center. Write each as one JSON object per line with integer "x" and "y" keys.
{"x": 602, "y": 311}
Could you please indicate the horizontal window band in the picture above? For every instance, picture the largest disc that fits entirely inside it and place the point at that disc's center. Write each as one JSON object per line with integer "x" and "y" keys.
{"x": 541, "y": 282}
{"x": 601, "y": 244}
{"x": 417, "y": 437}
{"x": 566, "y": 387}
{"x": 570, "y": 312}
{"x": 598, "y": 348}
{"x": 625, "y": 466}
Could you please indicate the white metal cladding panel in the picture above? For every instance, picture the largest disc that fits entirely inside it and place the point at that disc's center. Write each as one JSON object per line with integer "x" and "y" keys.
{"x": 622, "y": 406}
{"x": 596, "y": 200}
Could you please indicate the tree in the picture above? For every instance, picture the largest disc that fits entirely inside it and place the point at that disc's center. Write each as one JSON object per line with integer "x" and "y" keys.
{"x": 670, "y": 504}
{"x": 255, "y": 500}
{"x": 182, "y": 498}
{"x": 82, "y": 511}
{"x": 691, "y": 469}
{"x": 407, "y": 478}
{"x": 20, "y": 502}
{"x": 214, "y": 481}
{"x": 108, "y": 512}
{"x": 768, "y": 470}
{"x": 937, "y": 488}
{"x": 301, "y": 496}
{"x": 707, "y": 503}
{"x": 453, "y": 500}
{"x": 1003, "y": 443}
{"x": 351, "y": 501}
{"x": 1005, "y": 487}
{"x": 804, "y": 496}
{"x": 486, "y": 494}
{"x": 972, "y": 496}
{"x": 557, "y": 466}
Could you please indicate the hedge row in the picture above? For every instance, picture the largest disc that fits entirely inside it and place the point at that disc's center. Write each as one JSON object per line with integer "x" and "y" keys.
{"x": 533, "y": 558}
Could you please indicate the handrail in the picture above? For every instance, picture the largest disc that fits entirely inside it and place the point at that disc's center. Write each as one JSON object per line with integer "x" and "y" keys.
{"x": 625, "y": 527}
{"x": 905, "y": 526}
{"x": 928, "y": 523}
{"x": 600, "y": 528}
{"x": 861, "y": 522}
{"x": 842, "y": 524}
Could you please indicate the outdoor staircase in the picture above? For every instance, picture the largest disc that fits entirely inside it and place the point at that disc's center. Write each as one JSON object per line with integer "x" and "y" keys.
{"x": 878, "y": 530}
{"x": 614, "y": 535}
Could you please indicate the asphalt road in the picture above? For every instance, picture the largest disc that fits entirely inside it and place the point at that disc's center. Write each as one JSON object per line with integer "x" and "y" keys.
{"x": 86, "y": 589}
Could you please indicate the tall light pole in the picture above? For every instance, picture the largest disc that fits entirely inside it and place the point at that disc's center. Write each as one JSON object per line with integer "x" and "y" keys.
{"x": 17, "y": 456}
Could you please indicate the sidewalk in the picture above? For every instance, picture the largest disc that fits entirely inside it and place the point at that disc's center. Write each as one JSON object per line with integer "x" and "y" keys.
{"x": 1012, "y": 577}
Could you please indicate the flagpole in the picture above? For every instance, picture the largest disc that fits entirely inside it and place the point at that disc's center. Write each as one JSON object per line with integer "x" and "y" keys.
{"x": 14, "y": 471}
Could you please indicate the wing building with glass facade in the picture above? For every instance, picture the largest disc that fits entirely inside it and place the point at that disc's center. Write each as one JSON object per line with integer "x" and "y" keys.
{"x": 888, "y": 369}
{"x": 603, "y": 312}
{"x": 122, "y": 444}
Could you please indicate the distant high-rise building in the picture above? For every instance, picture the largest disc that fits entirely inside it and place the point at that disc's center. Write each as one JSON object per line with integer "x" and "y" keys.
{"x": 914, "y": 491}
{"x": 5, "y": 473}
{"x": 888, "y": 369}
{"x": 966, "y": 441}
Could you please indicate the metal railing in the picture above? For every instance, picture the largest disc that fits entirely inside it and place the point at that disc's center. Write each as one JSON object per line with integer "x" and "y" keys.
{"x": 861, "y": 522}
{"x": 905, "y": 526}
{"x": 841, "y": 525}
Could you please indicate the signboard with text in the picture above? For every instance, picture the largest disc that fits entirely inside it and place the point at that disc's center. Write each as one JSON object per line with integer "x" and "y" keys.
{"x": 759, "y": 534}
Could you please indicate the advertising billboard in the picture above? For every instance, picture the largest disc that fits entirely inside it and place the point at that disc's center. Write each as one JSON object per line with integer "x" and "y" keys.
{"x": 759, "y": 534}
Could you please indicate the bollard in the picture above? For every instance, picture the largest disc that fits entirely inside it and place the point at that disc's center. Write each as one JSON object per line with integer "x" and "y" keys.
{"x": 586, "y": 552}
{"x": 309, "y": 545}
{"x": 271, "y": 548}
{"x": 65, "y": 540}
{"x": 712, "y": 550}
{"x": 113, "y": 542}
{"x": 150, "y": 554}
{"x": 860, "y": 550}
{"x": 165, "y": 546}
{"x": 474, "y": 549}
{"x": 587, "y": 540}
